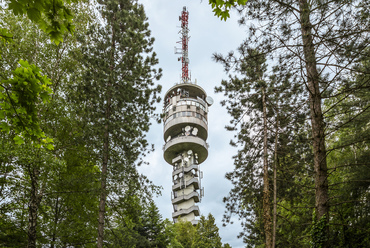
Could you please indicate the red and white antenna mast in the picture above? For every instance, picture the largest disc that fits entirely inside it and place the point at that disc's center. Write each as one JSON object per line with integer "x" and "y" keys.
{"x": 184, "y": 18}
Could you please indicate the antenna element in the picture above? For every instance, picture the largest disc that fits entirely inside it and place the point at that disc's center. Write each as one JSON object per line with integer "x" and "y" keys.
{"x": 184, "y": 18}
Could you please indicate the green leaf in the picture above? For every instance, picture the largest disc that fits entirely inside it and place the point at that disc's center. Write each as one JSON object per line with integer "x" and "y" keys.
{"x": 4, "y": 127}
{"x": 5, "y": 36}
{"x": 50, "y": 146}
{"x": 16, "y": 7}
{"x": 45, "y": 97}
{"x": 18, "y": 140}
{"x": 219, "y": 2}
{"x": 34, "y": 14}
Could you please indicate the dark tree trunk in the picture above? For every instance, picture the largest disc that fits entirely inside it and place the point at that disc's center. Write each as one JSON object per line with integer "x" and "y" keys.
{"x": 266, "y": 190}
{"x": 56, "y": 219}
{"x": 275, "y": 186}
{"x": 33, "y": 207}
{"x": 103, "y": 194}
{"x": 317, "y": 123}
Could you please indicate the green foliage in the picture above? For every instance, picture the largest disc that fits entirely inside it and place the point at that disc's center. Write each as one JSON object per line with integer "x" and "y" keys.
{"x": 52, "y": 16}
{"x": 138, "y": 224}
{"x": 318, "y": 231}
{"x": 204, "y": 235}
{"x": 221, "y": 8}
{"x": 343, "y": 84}
{"x": 284, "y": 100}
{"x": 10, "y": 236}
{"x": 185, "y": 233}
{"x": 348, "y": 161}
{"x": 20, "y": 99}
{"x": 207, "y": 235}
{"x": 5, "y": 37}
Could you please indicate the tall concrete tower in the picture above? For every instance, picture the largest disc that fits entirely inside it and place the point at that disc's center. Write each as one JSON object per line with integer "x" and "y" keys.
{"x": 185, "y": 119}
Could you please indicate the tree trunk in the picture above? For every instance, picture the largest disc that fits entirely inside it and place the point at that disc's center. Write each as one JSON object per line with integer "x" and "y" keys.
{"x": 56, "y": 219}
{"x": 33, "y": 207}
{"x": 103, "y": 194}
{"x": 317, "y": 124}
{"x": 266, "y": 190}
{"x": 275, "y": 187}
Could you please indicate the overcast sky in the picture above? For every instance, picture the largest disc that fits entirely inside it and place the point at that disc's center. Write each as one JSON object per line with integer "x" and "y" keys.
{"x": 208, "y": 34}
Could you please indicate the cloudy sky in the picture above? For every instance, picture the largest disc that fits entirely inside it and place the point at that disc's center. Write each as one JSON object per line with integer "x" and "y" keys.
{"x": 208, "y": 34}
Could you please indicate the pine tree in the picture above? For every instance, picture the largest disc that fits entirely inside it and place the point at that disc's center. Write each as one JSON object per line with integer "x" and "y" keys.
{"x": 207, "y": 235}
{"x": 320, "y": 42}
{"x": 117, "y": 94}
{"x": 268, "y": 114}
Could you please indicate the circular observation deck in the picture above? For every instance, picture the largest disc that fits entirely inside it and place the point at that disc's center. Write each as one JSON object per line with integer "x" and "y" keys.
{"x": 177, "y": 145}
{"x": 185, "y": 119}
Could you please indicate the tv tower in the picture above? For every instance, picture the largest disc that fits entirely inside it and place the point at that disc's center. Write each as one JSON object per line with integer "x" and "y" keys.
{"x": 185, "y": 120}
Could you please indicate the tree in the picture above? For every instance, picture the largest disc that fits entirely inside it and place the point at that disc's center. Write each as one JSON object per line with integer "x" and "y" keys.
{"x": 38, "y": 180}
{"x": 136, "y": 223}
{"x": 348, "y": 160}
{"x": 184, "y": 233}
{"x": 117, "y": 93}
{"x": 222, "y": 8}
{"x": 25, "y": 88}
{"x": 53, "y": 17}
{"x": 322, "y": 49}
{"x": 269, "y": 114}
{"x": 207, "y": 233}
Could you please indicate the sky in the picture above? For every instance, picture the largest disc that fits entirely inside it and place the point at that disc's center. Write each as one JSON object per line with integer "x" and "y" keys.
{"x": 208, "y": 35}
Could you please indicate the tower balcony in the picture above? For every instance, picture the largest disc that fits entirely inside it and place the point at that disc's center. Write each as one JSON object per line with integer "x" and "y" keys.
{"x": 185, "y": 169}
{"x": 174, "y": 125}
{"x": 194, "y": 181}
{"x": 181, "y": 212}
{"x": 182, "y": 198}
{"x": 183, "y": 143}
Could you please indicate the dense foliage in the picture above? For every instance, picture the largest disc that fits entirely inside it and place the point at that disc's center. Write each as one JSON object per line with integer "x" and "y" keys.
{"x": 317, "y": 84}
{"x": 52, "y": 123}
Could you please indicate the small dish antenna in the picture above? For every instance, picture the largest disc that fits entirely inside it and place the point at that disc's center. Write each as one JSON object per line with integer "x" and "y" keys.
{"x": 209, "y": 100}
{"x": 195, "y": 131}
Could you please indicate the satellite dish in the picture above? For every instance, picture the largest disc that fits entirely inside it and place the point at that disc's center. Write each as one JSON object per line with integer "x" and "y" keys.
{"x": 175, "y": 177}
{"x": 190, "y": 152}
{"x": 180, "y": 175}
{"x": 169, "y": 138}
{"x": 186, "y": 159}
{"x": 187, "y": 133}
{"x": 187, "y": 128}
{"x": 209, "y": 100}
{"x": 195, "y": 131}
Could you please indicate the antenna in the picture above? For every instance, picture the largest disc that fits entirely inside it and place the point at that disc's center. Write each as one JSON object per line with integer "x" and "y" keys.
{"x": 184, "y": 18}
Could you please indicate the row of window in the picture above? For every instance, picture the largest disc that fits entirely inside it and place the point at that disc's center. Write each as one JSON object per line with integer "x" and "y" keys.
{"x": 191, "y": 102}
{"x": 188, "y": 101}
{"x": 185, "y": 114}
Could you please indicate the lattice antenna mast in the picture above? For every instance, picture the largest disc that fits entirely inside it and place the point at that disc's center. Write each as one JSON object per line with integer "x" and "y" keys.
{"x": 184, "y": 18}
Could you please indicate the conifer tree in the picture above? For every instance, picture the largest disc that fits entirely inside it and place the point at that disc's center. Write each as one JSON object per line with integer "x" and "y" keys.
{"x": 117, "y": 94}
{"x": 321, "y": 43}
{"x": 207, "y": 235}
{"x": 268, "y": 114}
